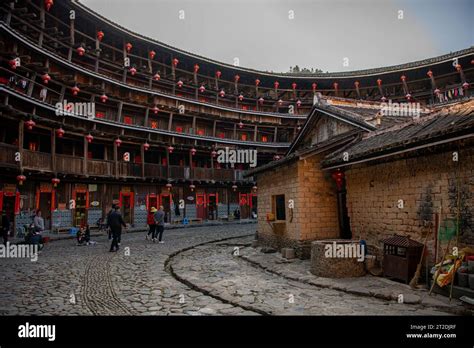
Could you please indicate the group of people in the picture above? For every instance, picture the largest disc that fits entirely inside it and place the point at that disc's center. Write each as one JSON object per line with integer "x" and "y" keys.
{"x": 156, "y": 224}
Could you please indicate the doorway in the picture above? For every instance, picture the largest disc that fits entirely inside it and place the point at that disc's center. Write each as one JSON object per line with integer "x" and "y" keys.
{"x": 45, "y": 203}
{"x": 212, "y": 203}
{"x": 244, "y": 204}
{"x": 166, "y": 201}
{"x": 126, "y": 206}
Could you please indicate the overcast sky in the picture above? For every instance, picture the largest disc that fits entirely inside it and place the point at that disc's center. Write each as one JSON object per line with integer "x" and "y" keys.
{"x": 261, "y": 34}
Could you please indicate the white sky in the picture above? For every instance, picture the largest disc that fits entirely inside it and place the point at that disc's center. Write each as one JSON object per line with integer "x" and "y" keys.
{"x": 323, "y": 32}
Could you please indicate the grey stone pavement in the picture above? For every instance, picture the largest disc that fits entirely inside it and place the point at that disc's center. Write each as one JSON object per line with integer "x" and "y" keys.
{"x": 209, "y": 270}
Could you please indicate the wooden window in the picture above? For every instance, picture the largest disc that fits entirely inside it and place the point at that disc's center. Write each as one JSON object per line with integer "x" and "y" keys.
{"x": 278, "y": 207}
{"x": 100, "y": 115}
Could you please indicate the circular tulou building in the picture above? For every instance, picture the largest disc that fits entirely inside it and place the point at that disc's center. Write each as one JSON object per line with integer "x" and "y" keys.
{"x": 94, "y": 114}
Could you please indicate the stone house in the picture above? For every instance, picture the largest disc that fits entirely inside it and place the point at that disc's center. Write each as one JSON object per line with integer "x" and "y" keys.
{"x": 353, "y": 174}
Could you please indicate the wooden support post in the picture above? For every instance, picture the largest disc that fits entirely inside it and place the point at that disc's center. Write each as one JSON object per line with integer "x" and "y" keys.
{"x": 21, "y": 139}
{"x": 53, "y": 151}
{"x": 194, "y": 125}
{"x": 214, "y": 128}
{"x": 86, "y": 150}
{"x": 170, "y": 122}
{"x": 43, "y": 25}
{"x": 116, "y": 160}
{"x": 142, "y": 154}
{"x": 147, "y": 114}
{"x": 235, "y": 131}
{"x": 255, "y": 133}
{"x": 119, "y": 112}
{"x": 275, "y": 134}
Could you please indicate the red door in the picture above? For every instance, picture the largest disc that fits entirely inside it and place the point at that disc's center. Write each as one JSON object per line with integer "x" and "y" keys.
{"x": 201, "y": 206}
{"x": 152, "y": 200}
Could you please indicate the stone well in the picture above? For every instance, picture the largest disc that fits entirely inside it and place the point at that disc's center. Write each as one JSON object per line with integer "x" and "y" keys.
{"x": 328, "y": 263}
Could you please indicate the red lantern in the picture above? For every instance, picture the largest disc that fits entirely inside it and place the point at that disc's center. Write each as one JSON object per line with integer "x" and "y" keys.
{"x": 234, "y": 187}
{"x": 436, "y": 91}
{"x": 146, "y": 146}
{"x": 298, "y": 103}
{"x": 356, "y": 83}
{"x": 180, "y": 83}
{"x": 75, "y": 90}
{"x": 170, "y": 149}
{"x": 60, "y": 132}
{"x": 89, "y": 138}
{"x": 30, "y": 124}
{"x": 175, "y": 62}
{"x": 100, "y": 35}
{"x": 214, "y": 153}
{"x": 261, "y": 100}
{"x": 196, "y": 68}
{"x": 12, "y": 64}
{"x": 55, "y": 181}
{"x": 280, "y": 102}
{"x": 218, "y": 74}
{"x": 118, "y": 142}
{"x": 151, "y": 54}
{"x": 257, "y": 82}
{"x": 336, "y": 85}
{"x": 241, "y": 125}
{"x": 222, "y": 94}
{"x": 236, "y": 78}
{"x": 193, "y": 151}
{"x": 458, "y": 67}
{"x": 403, "y": 78}
{"x": 202, "y": 89}
{"x": 20, "y": 179}
{"x": 156, "y": 77}
{"x": 314, "y": 86}
{"x": 429, "y": 73}
{"x": 80, "y": 50}
{"x": 338, "y": 178}
{"x": 46, "y": 78}
{"x": 133, "y": 71}
{"x": 48, "y": 4}
{"x": 192, "y": 187}
{"x": 103, "y": 98}
{"x": 379, "y": 82}
{"x": 465, "y": 85}
{"x": 155, "y": 109}
{"x": 241, "y": 97}
{"x": 276, "y": 84}
{"x": 293, "y": 85}
{"x": 128, "y": 47}
{"x": 169, "y": 186}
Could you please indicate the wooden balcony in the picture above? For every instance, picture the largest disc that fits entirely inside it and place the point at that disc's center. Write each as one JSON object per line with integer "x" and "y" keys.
{"x": 7, "y": 155}
{"x": 100, "y": 167}
{"x": 69, "y": 164}
{"x": 37, "y": 160}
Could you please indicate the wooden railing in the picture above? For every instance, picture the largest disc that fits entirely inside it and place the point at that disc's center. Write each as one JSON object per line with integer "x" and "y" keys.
{"x": 75, "y": 165}
{"x": 7, "y": 155}
{"x": 129, "y": 169}
{"x": 100, "y": 167}
{"x": 69, "y": 164}
{"x": 36, "y": 160}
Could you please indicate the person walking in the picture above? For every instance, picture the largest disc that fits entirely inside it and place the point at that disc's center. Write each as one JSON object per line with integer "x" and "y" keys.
{"x": 160, "y": 224}
{"x": 150, "y": 220}
{"x": 109, "y": 231}
{"x": 116, "y": 222}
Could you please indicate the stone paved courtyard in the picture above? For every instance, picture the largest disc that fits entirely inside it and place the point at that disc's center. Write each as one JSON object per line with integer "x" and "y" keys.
{"x": 197, "y": 271}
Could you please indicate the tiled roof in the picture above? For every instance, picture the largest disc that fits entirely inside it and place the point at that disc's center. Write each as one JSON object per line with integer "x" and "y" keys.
{"x": 444, "y": 123}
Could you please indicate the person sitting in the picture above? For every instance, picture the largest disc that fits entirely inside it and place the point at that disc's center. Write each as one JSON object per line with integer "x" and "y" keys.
{"x": 38, "y": 228}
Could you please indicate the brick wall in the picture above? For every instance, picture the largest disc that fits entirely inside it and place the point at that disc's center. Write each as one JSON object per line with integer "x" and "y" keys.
{"x": 315, "y": 211}
{"x": 424, "y": 183}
